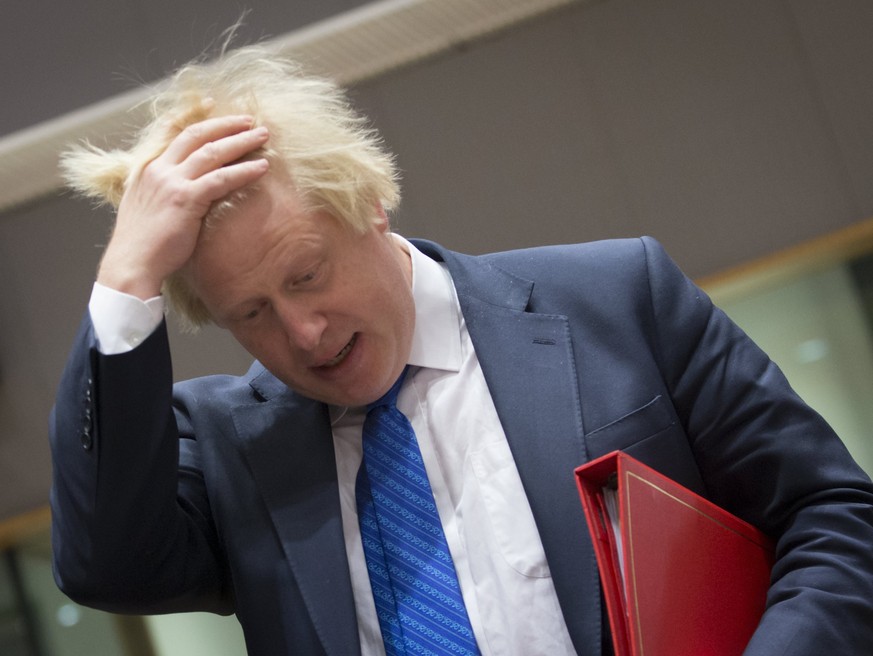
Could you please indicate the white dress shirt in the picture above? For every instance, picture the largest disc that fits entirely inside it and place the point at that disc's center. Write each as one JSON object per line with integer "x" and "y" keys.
{"x": 490, "y": 530}
{"x": 502, "y": 569}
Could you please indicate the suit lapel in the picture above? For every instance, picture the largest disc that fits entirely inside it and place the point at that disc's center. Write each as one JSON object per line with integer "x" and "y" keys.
{"x": 529, "y": 364}
{"x": 301, "y": 493}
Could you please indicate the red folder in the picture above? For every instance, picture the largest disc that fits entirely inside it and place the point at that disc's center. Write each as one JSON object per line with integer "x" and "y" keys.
{"x": 681, "y": 576}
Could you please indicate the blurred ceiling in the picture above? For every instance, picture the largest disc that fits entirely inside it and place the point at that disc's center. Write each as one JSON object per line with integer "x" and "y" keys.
{"x": 348, "y": 46}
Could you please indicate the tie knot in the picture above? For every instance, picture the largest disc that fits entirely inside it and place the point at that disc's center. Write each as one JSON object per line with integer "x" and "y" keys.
{"x": 390, "y": 397}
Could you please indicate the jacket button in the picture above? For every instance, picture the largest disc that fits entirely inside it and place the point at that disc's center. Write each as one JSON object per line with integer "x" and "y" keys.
{"x": 86, "y": 437}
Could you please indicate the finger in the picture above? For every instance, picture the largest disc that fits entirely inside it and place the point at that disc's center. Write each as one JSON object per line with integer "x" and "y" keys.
{"x": 218, "y": 183}
{"x": 222, "y": 152}
{"x": 196, "y": 135}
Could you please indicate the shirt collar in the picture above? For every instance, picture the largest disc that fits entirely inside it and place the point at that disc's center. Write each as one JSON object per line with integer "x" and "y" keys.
{"x": 436, "y": 340}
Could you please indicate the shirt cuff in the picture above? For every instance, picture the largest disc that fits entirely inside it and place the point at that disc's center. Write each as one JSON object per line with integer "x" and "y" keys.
{"x": 121, "y": 321}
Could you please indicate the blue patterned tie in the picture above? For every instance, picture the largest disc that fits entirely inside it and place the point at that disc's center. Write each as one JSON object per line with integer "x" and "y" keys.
{"x": 412, "y": 575}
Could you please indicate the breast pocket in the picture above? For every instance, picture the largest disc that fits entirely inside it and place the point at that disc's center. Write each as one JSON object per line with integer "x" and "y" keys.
{"x": 641, "y": 424}
{"x": 653, "y": 435}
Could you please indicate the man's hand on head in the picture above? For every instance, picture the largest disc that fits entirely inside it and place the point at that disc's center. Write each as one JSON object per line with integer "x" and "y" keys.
{"x": 162, "y": 210}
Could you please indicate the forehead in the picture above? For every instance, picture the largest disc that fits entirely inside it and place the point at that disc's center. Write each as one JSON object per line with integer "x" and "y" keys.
{"x": 275, "y": 189}
{"x": 270, "y": 221}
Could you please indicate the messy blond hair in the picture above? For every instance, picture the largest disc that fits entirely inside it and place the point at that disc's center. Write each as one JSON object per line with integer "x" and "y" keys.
{"x": 335, "y": 161}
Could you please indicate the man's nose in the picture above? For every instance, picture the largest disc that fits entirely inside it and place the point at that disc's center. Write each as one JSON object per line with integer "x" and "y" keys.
{"x": 303, "y": 326}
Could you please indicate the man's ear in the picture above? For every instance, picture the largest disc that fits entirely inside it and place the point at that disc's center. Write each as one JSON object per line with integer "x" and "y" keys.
{"x": 382, "y": 224}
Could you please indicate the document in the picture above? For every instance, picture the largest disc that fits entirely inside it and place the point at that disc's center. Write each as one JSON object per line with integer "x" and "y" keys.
{"x": 681, "y": 576}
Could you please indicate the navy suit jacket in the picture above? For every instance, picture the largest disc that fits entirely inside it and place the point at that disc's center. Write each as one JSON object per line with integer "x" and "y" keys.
{"x": 229, "y": 501}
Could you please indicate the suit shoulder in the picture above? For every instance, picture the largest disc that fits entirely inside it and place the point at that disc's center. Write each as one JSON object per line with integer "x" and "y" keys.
{"x": 222, "y": 389}
{"x": 603, "y": 257}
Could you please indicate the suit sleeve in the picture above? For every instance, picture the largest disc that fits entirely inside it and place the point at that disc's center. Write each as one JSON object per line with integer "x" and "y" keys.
{"x": 131, "y": 525}
{"x": 768, "y": 457}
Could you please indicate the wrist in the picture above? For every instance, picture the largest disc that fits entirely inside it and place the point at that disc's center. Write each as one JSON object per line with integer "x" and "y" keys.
{"x": 129, "y": 280}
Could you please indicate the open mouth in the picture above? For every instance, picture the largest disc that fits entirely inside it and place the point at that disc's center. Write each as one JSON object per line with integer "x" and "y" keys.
{"x": 339, "y": 357}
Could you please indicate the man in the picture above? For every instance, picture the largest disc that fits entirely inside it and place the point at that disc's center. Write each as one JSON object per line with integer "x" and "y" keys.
{"x": 256, "y": 199}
